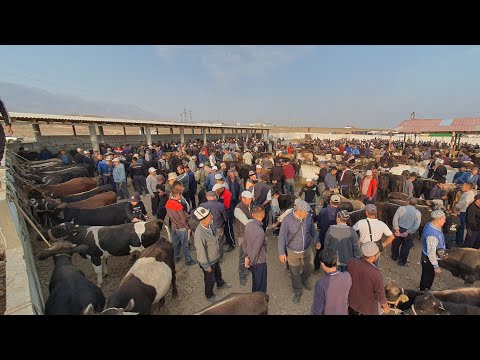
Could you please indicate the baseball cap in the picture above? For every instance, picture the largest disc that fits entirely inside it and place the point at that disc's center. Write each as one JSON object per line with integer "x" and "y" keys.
{"x": 218, "y": 176}
{"x": 344, "y": 215}
{"x": 335, "y": 198}
{"x": 172, "y": 176}
{"x": 308, "y": 180}
{"x": 193, "y": 157}
{"x": 370, "y": 249}
{"x": 302, "y": 205}
{"x": 258, "y": 166}
{"x": 201, "y": 165}
{"x": 439, "y": 213}
{"x": 217, "y": 186}
{"x": 152, "y": 169}
{"x": 369, "y": 172}
{"x": 370, "y": 208}
{"x": 135, "y": 197}
{"x": 247, "y": 194}
{"x": 201, "y": 213}
{"x": 214, "y": 167}
{"x": 250, "y": 173}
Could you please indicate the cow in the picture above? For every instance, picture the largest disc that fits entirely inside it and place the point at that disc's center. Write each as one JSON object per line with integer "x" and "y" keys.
{"x": 404, "y": 197}
{"x": 94, "y": 202}
{"x": 70, "y": 291}
{"x": 286, "y": 201}
{"x": 73, "y": 186}
{"x": 90, "y": 310}
{"x": 86, "y": 194}
{"x": 58, "y": 176}
{"x": 404, "y": 298}
{"x": 114, "y": 214}
{"x": 428, "y": 304}
{"x": 148, "y": 280}
{"x": 105, "y": 241}
{"x": 463, "y": 263}
{"x": 356, "y": 216}
{"x": 239, "y": 304}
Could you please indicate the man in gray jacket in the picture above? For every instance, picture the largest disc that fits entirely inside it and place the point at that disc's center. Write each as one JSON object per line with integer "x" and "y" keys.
{"x": 217, "y": 210}
{"x": 406, "y": 222}
{"x": 296, "y": 234}
{"x": 255, "y": 249}
{"x": 206, "y": 244}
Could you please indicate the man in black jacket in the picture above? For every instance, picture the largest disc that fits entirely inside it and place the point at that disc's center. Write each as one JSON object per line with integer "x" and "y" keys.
{"x": 472, "y": 240}
{"x": 8, "y": 128}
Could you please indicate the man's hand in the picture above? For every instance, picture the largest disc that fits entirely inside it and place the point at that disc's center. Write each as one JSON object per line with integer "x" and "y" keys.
{"x": 386, "y": 308}
{"x": 318, "y": 246}
{"x": 9, "y": 130}
{"x": 247, "y": 262}
{"x": 282, "y": 258}
{"x": 397, "y": 233}
{"x": 135, "y": 220}
{"x": 209, "y": 269}
{"x": 370, "y": 198}
{"x": 437, "y": 270}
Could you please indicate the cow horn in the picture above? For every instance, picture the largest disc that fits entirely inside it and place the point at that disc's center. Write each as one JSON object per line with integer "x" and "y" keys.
{"x": 130, "y": 305}
{"x": 89, "y": 310}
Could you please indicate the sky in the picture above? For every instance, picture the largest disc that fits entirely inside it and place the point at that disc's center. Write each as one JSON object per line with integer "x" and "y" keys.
{"x": 374, "y": 86}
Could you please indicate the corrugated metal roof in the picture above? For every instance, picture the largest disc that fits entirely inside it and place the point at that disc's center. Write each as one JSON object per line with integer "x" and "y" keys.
{"x": 101, "y": 120}
{"x": 458, "y": 125}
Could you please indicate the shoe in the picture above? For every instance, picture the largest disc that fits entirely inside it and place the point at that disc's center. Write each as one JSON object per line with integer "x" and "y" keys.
{"x": 457, "y": 245}
{"x": 224, "y": 286}
{"x": 391, "y": 257}
{"x": 296, "y": 299}
{"x": 243, "y": 282}
{"x": 214, "y": 298}
{"x": 316, "y": 271}
{"x": 191, "y": 262}
{"x": 177, "y": 260}
{"x": 402, "y": 264}
{"x": 229, "y": 248}
{"x": 307, "y": 286}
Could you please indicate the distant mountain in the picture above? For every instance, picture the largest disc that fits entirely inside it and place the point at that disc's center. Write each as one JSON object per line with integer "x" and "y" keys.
{"x": 28, "y": 99}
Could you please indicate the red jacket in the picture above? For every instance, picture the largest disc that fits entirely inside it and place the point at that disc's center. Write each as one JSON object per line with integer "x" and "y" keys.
{"x": 227, "y": 199}
{"x": 372, "y": 187}
{"x": 289, "y": 171}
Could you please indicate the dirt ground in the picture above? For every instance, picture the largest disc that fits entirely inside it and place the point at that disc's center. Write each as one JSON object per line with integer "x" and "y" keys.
{"x": 190, "y": 284}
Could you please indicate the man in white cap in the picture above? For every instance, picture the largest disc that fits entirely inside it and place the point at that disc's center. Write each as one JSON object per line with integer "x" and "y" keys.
{"x": 247, "y": 158}
{"x": 206, "y": 245}
{"x": 296, "y": 235}
{"x": 152, "y": 183}
{"x": 440, "y": 171}
{"x": 406, "y": 222}
{"x": 367, "y": 293}
{"x": 255, "y": 249}
{"x": 201, "y": 176}
{"x": 433, "y": 249}
{"x": 243, "y": 215}
{"x": 326, "y": 218}
{"x": 219, "y": 218}
{"x": 192, "y": 164}
{"x": 310, "y": 191}
{"x": 78, "y": 157}
{"x": 368, "y": 188}
{"x": 172, "y": 177}
{"x": 251, "y": 181}
{"x": 210, "y": 181}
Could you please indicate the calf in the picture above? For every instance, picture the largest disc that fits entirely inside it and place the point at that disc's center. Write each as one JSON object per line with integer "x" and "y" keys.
{"x": 94, "y": 202}
{"x": 70, "y": 187}
{"x": 105, "y": 241}
{"x": 148, "y": 280}
{"x": 428, "y": 304}
{"x": 463, "y": 263}
{"x": 70, "y": 291}
{"x": 239, "y": 304}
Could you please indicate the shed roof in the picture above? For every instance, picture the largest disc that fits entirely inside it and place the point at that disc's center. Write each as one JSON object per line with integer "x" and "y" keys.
{"x": 458, "y": 125}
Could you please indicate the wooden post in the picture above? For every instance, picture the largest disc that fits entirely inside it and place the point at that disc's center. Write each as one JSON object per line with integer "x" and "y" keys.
{"x": 74, "y": 130}
{"x": 452, "y": 144}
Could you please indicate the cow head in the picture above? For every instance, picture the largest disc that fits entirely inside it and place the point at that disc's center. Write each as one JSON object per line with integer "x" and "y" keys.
{"x": 395, "y": 294}
{"x": 62, "y": 248}
{"x": 63, "y": 230}
{"x": 428, "y": 304}
{"x": 90, "y": 310}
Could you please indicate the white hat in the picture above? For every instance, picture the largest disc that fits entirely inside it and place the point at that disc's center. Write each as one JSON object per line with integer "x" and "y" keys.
{"x": 370, "y": 249}
{"x": 247, "y": 194}
{"x": 193, "y": 157}
{"x": 201, "y": 213}
{"x": 172, "y": 176}
{"x": 217, "y": 186}
{"x": 152, "y": 169}
{"x": 308, "y": 180}
{"x": 116, "y": 160}
{"x": 214, "y": 167}
{"x": 201, "y": 165}
{"x": 86, "y": 152}
{"x": 437, "y": 214}
{"x": 218, "y": 176}
{"x": 258, "y": 166}
{"x": 79, "y": 149}
{"x": 369, "y": 172}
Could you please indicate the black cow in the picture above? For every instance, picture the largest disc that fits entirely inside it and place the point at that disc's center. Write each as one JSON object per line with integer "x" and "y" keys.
{"x": 428, "y": 304}
{"x": 86, "y": 194}
{"x": 463, "y": 263}
{"x": 404, "y": 298}
{"x": 286, "y": 201}
{"x": 70, "y": 291}
{"x": 148, "y": 280}
{"x": 356, "y": 216}
{"x": 105, "y": 241}
{"x": 52, "y": 177}
{"x": 114, "y": 214}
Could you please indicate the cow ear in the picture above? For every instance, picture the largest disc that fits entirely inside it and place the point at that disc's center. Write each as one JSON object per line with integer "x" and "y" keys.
{"x": 130, "y": 305}
{"x": 89, "y": 310}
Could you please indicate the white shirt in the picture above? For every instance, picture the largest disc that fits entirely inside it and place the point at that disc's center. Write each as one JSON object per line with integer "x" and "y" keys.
{"x": 466, "y": 199}
{"x": 379, "y": 228}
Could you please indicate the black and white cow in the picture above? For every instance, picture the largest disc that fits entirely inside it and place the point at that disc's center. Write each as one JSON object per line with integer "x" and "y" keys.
{"x": 148, "y": 280}
{"x": 70, "y": 291}
{"x": 105, "y": 241}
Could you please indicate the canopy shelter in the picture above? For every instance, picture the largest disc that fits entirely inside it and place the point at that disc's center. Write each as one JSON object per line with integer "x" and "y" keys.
{"x": 453, "y": 126}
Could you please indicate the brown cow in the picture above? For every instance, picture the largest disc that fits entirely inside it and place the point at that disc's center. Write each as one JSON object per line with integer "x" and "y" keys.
{"x": 239, "y": 304}
{"x": 73, "y": 186}
{"x": 94, "y": 202}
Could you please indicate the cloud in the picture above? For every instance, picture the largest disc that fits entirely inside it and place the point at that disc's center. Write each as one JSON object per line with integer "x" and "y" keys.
{"x": 224, "y": 64}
